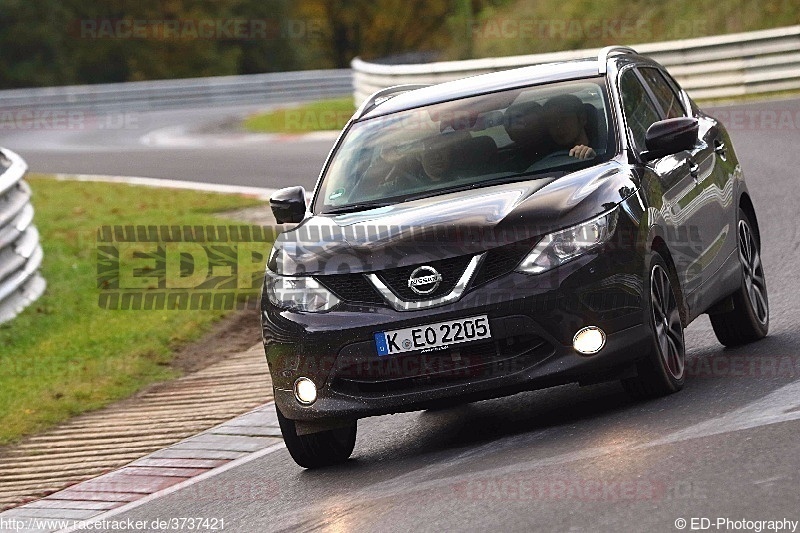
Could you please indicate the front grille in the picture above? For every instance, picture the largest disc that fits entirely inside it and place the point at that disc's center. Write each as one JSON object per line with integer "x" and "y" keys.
{"x": 357, "y": 288}
{"x": 450, "y": 269}
{"x": 501, "y": 260}
{"x": 457, "y": 364}
{"x": 351, "y": 288}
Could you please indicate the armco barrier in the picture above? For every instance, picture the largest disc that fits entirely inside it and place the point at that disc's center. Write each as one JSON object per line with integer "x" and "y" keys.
{"x": 20, "y": 251}
{"x": 182, "y": 93}
{"x": 707, "y": 67}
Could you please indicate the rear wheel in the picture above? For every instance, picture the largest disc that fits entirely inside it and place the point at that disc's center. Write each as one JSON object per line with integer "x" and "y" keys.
{"x": 748, "y": 321}
{"x": 662, "y": 370}
{"x": 317, "y": 450}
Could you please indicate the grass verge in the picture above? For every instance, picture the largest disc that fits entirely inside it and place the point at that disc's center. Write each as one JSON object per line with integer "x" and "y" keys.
{"x": 323, "y": 115}
{"x": 65, "y": 355}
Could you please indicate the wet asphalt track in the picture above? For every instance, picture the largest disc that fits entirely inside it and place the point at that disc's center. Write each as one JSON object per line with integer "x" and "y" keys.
{"x": 565, "y": 459}
{"x": 112, "y": 144}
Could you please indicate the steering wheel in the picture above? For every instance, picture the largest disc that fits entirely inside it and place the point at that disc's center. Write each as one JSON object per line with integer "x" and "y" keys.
{"x": 542, "y": 163}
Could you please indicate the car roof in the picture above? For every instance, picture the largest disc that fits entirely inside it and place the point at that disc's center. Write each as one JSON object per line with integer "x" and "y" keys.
{"x": 486, "y": 83}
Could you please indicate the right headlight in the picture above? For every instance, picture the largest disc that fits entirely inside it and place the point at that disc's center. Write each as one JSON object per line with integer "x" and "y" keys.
{"x": 299, "y": 293}
{"x": 561, "y": 246}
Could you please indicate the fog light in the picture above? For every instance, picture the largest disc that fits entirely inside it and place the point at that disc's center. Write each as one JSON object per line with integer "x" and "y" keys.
{"x": 305, "y": 391}
{"x": 589, "y": 340}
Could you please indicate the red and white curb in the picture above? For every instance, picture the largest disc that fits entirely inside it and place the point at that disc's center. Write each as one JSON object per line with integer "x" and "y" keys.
{"x": 233, "y": 443}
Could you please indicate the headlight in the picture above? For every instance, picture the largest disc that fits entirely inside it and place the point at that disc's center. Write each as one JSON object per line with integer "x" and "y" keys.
{"x": 300, "y": 293}
{"x": 562, "y": 246}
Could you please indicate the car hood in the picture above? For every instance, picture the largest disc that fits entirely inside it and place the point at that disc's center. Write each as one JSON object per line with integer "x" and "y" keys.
{"x": 448, "y": 225}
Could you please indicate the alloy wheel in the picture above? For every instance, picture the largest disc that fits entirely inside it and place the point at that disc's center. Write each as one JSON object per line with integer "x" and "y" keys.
{"x": 753, "y": 272}
{"x": 667, "y": 322}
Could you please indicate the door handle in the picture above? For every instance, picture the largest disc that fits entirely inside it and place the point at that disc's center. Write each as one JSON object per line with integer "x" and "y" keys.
{"x": 719, "y": 148}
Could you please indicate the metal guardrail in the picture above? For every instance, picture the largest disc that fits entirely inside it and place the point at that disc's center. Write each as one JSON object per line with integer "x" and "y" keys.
{"x": 20, "y": 251}
{"x": 707, "y": 67}
{"x": 181, "y": 93}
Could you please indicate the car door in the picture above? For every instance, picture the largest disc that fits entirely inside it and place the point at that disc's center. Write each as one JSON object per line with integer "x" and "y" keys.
{"x": 711, "y": 179}
{"x": 669, "y": 183}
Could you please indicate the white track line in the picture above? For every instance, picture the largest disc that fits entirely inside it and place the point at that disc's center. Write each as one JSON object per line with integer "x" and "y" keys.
{"x": 781, "y": 405}
{"x": 261, "y": 193}
{"x": 179, "y": 137}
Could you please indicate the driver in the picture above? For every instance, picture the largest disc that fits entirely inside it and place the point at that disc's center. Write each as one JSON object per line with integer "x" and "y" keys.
{"x": 526, "y": 125}
{"x": 566, "y": 124}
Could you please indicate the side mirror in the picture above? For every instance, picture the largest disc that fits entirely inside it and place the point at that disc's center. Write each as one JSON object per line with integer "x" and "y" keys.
{"x": 288, "y": 205}
{"x": 670, "y": 136}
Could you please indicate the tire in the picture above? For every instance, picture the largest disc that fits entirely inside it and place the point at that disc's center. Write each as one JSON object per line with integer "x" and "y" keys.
{"x": 662, "y": 370}
{"x": 748, "y": 321}
{"x": 318, "y": 450}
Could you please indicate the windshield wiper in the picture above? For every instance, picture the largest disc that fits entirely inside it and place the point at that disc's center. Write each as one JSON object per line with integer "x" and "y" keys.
{"x": 435, "y": 192}
{"x": 356, "y": 207}
{"x": 477, "y": 185}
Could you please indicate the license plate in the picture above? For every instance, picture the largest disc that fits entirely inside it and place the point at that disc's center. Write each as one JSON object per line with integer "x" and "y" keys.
{"x": 432, "y": 335}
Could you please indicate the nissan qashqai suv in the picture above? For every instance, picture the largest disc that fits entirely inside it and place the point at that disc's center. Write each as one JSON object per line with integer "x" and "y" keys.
{"x": 506, "y": 232}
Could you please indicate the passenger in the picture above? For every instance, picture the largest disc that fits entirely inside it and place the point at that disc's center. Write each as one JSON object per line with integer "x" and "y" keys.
{"x": 390, "y": 173}
{"x": 437, "y": 155}
{"x": 566, "y": 124}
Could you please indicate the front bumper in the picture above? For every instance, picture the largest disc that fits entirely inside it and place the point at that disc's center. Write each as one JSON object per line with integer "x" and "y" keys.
{"x": 532, "y": 318}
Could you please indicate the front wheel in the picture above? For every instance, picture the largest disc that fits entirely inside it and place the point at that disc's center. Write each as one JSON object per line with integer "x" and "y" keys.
{"x": 748, "y": 321}
{"x": 317, "y": 450}
{"x": 662, "y": 370}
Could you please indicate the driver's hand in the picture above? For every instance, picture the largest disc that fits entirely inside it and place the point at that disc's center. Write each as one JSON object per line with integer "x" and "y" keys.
{"x": 582, "y": 152}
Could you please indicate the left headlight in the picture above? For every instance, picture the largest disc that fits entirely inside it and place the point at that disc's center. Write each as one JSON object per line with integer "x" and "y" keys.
{"x": 299, "y": 293}
{"x": 561, "y": 246}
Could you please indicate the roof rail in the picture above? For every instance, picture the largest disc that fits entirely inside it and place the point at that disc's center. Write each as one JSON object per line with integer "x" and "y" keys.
{"x": 378, "y": 97}
{"x": 602, "y": 56}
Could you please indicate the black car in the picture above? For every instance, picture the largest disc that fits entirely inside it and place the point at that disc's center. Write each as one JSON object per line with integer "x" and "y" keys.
{"x": 506, "y": 232}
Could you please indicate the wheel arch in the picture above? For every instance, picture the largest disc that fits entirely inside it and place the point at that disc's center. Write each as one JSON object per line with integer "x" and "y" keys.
{"x": 746, "y": 205}
{"x": 659, "y": 245}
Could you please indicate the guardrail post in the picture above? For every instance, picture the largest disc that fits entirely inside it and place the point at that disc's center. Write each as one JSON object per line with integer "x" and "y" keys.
{"x": 20, "y": 251}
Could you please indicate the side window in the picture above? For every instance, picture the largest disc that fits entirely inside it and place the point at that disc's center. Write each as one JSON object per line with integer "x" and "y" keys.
{"x": 692, "y": 109}
{"x": 640, "y": 112}
{"x": 666, "y": 97}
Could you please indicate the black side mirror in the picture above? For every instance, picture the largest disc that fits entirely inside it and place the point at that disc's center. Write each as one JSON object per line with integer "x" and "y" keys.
{"x": 670, "y": 136}
{"x": 288, "y": 205}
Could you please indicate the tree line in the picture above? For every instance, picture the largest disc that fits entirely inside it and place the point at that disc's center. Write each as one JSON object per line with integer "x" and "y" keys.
{"x": 63, "y": 42}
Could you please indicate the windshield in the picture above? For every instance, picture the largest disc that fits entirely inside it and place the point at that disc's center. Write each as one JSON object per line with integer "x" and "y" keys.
{"x": 476, "y": 141}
